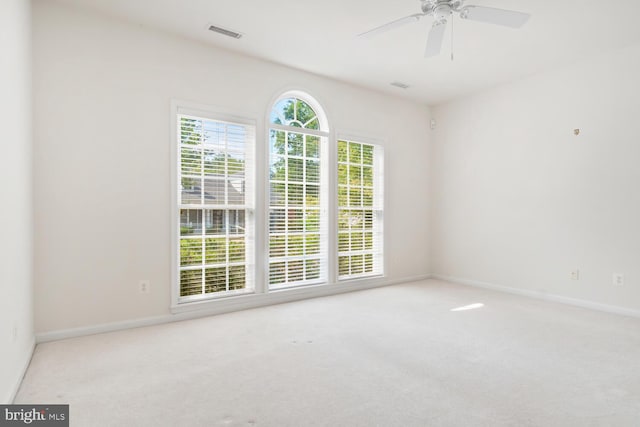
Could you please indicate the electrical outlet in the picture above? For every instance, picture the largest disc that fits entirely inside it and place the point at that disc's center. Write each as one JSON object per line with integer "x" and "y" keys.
{"x": 575, "y": 274}
{"x": 144, "y": 286}
{"x": 618, "y": 279}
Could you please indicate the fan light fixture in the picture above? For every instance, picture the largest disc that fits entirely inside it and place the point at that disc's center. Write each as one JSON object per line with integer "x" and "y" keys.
{"x": 441, "y": 11}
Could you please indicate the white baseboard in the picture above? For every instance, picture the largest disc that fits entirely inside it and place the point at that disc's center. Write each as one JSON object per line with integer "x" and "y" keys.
{"x": 225, "y": 306}
{"x": 255, "y": 301}
{"x": 23, "y": 371}
{"x": 541, "y": 295}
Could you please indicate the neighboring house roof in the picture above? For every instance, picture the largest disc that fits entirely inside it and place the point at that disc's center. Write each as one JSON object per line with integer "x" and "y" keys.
{"x": 214, "y": 190}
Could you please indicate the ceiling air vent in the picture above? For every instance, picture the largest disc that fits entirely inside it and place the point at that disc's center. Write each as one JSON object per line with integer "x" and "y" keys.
{"x": 224, "y": 31}
{"x": 400, "y": 85}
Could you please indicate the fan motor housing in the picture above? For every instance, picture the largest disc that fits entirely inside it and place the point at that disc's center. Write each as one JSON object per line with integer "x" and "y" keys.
{"x": 437, "y": 7}
{"x": 442, "y": 12}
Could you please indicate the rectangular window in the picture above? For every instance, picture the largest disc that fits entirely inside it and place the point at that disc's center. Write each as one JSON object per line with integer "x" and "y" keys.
{"x": 297, "y": 229}
{"x": 360, "y": 209}
{"x": 215, "y": 202}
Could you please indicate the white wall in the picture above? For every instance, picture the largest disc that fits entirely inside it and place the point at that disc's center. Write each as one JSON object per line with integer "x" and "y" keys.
{"x": 519, "y": 201}
{"x": 16, "y": 215}
{"x": 102, "y": 136}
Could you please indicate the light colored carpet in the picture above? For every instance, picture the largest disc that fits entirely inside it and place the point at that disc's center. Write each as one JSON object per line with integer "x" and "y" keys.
{"x": 394, "y": 356}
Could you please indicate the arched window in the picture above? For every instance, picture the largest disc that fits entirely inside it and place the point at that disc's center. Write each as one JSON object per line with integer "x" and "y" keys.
{"x": 298, "y": 192}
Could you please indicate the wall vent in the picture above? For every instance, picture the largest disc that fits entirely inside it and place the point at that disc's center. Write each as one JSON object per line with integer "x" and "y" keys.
{"x": 224, "y": 31}
{"x": 400, "y": 85}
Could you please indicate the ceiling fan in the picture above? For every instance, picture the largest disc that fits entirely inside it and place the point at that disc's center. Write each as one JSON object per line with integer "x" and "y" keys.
{"x": 441, "y": 10}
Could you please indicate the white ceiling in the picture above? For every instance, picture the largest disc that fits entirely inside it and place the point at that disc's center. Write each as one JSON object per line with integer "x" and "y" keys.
{"x": 320, "y": 36}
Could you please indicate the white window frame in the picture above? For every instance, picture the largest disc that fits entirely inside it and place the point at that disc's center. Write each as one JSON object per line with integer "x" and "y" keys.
{"x": 326, "y": 160}
{"x": 183, "y": 108}
{"x": 262, "y": 295}
{"x": 379, "y": 206}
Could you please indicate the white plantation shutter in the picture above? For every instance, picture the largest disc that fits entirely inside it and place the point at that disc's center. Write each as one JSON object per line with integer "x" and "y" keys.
{"x": 215, "y": 197}
{"x": 360, "y": 209}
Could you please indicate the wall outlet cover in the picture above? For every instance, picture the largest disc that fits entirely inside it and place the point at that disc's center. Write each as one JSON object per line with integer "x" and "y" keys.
{"x": 618, "y": 279}
{"x": 144, "y": 286}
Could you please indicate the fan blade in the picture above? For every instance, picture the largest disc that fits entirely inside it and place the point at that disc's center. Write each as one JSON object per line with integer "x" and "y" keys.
{"x": 436, "y": 37}
{"x": 391, "y": 25}
{"x": 508, "y": 18}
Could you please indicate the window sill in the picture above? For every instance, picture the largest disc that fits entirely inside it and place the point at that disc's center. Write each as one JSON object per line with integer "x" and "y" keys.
{"x": 278, "y": 296}
{"x": 199, "y": 299}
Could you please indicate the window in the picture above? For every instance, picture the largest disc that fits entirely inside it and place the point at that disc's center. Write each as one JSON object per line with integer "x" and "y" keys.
{"x": 360, "y": 209}
{"x": 215, "y": 201}
{"x": 297, "y": 196}
{"x": 303, "y": 218}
